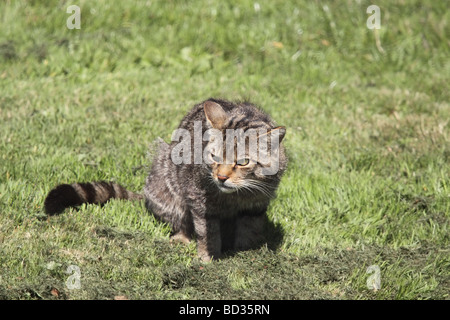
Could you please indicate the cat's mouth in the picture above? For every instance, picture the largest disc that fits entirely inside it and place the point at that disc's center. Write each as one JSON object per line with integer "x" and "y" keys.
{"x": 224, "y": 187}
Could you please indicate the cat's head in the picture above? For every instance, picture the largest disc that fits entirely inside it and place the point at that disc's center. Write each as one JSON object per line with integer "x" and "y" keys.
{"x": 243, "y": 150}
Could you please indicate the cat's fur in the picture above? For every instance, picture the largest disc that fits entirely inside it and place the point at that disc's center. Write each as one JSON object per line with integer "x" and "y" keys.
{"x": 222, "y": 205}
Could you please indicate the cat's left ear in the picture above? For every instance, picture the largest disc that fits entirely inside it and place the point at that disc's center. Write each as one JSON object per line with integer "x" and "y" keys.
{"x": 281, "y": 132}
{"x": 215, "y": 115}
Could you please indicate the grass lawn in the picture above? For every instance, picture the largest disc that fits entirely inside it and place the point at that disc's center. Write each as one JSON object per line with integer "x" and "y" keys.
{"x": 367, "y": 137}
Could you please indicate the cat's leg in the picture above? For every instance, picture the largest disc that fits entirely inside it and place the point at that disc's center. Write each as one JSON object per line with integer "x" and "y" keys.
{"x": 180, "y": 237}
{"x": 183, "y": 231}
{"x": 209, "y": 242}
{"x": 168, "y": 206}
{"x": 249, "y": 232}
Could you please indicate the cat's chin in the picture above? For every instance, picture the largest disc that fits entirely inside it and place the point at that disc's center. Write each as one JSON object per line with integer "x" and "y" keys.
{"x": 226, "y": 189}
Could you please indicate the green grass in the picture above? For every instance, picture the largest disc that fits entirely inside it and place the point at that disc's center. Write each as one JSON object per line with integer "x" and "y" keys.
{"x": 367, "y": 137}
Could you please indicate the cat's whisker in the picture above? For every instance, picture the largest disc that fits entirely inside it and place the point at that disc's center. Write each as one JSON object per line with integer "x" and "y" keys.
{"x": 261, "y": 186}
{"x": 253, "y": 190}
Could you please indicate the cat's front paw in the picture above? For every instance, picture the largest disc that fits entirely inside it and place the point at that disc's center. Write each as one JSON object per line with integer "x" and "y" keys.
{"x": 205, "y": 255}
{"x": 180, "y": 237}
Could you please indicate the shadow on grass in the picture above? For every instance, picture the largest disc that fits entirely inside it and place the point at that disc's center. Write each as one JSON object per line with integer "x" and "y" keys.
{"x": 136, "y": 265}
{"x": 335, "y": 274}
{"x": 273, "y": 237}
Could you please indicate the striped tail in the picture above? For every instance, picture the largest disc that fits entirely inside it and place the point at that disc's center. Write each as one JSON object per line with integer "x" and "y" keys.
{"x": 72, "y": 195}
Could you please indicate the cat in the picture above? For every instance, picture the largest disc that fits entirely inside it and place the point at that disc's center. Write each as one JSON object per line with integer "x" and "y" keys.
{"x": 221, "y": 203}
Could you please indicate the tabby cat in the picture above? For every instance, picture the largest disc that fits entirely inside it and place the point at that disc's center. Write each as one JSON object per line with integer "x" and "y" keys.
{"x": 222, "y": 204}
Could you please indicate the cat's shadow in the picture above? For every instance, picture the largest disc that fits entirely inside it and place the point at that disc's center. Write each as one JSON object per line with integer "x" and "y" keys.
{"x": 274, "y": 235}
{"x": 273, "y": 238}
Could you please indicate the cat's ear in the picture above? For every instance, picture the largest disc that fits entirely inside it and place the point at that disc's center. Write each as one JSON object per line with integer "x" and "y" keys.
{"x": 216, "y": 116}
{"x": 280, "y": 130}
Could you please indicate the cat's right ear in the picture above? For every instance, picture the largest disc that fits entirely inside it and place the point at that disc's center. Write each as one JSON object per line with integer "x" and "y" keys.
{"x": 215, "y": 115}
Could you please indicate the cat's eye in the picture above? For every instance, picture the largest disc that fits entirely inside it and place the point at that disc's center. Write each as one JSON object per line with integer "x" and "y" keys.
{"x": 243, "y": 162}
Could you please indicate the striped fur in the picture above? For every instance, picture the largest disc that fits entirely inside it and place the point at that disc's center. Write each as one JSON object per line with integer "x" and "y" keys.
{"x": 73, "y": 195}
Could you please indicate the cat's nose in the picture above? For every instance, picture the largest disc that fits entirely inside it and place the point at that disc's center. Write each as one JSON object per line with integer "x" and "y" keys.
{"x": 222, "y": 178}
